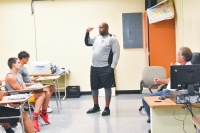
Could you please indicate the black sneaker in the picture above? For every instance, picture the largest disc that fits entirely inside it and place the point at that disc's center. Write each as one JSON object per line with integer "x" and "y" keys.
{"x": 93, "y": 110}
{"x": 106, "y": 112}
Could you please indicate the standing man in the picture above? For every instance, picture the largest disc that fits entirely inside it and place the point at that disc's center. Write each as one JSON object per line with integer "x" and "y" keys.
{"x": 24, "y": 58}
{"x": 105, "y": 56}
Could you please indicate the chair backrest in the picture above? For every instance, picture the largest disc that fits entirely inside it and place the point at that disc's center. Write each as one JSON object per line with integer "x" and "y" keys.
{"x": 151, "y": 72}
{"x": 195, "y": 58}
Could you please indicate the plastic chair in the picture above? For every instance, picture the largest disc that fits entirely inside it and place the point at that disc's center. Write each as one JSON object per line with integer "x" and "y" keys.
{"x": 148, "y": 75}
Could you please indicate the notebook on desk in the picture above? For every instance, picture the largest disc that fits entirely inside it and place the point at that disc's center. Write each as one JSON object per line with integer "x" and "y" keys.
{"x": 39, "y": 67}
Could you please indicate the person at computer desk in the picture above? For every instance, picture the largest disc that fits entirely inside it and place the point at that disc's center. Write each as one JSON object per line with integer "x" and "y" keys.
{"x": 14, "y": 81}
{"x": 183, "y": 57}
{"x": 24, "y": 58}
{"x": 7, "y": 111}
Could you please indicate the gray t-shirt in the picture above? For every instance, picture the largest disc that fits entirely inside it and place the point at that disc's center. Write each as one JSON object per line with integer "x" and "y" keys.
{"x": 19, "y": 81}
{"x": 102, "y": 46}
{"x": 23, "y": 71}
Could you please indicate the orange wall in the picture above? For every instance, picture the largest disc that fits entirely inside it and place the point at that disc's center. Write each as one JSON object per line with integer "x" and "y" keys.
{"x": 162, "y": 44}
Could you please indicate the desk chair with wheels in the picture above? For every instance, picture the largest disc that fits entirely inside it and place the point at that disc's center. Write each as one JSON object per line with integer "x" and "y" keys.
{"x": 148, "y": 75}
{"x": 196, "y": 60}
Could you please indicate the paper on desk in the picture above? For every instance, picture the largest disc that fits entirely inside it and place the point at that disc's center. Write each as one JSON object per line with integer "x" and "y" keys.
{"x": 19, "y": 96}
{"x": 35, "y": 86}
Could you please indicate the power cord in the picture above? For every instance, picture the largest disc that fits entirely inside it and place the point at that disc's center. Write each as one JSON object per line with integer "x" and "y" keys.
{"x": 181, "y": 120}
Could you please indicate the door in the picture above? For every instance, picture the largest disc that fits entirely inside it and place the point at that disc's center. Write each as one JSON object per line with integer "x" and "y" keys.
{"x": 161, "y": 43}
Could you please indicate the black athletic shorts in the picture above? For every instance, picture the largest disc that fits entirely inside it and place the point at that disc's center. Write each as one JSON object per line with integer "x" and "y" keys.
{"x": 6, "y": 111}
{"x": 102, "y": 77}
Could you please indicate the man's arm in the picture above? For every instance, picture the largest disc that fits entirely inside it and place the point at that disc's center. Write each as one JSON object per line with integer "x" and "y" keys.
{"x": 88, "y": 40}
{"x": 116, "y": 52}
{"x": 161, "y": 81}
{"x": 11, "y": 80}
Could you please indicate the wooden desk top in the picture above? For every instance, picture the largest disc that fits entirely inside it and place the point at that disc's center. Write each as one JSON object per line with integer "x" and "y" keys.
{"x": 5, "y": 100}
{"x": 42, "y": 74}
{"x": 48, "y": 78}
{"x": 28, "y": 90}
{"x": 155, "y": 102}
{"x": 196, "y": 121}
{"x": 46, "y": 74}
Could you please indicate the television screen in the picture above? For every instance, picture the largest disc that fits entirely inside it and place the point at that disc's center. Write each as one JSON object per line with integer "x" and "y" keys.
{"x": 185, "y": 77}
{"x": 39, "y": 67}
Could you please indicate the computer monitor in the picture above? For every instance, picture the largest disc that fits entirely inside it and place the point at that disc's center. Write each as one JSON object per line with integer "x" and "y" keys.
{"x": 185, "y": 77}
{"x": 40, "y": 67}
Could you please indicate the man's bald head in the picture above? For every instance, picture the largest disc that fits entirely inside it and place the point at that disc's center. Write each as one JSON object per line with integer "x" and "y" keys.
{"x": 103, "y": 29}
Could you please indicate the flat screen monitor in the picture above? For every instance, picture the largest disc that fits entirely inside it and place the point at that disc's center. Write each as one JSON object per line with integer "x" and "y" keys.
{"x": 39, "y": 67}
{"x": 185, "y": 77}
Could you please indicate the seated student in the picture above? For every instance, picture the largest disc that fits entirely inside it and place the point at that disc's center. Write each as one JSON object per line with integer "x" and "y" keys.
{"x": 183, "y": 56}
{"x": 6, "y": 112}
{"x": 24, "y": 57}
{"x": 14, "y": 81}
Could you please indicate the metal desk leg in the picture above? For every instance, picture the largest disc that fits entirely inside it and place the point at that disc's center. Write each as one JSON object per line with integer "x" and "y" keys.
{"x": 65, "y": 88}
{"x": 58, "y": 94}
{"x": 29, "y": 109}
{"x": 197, "y": 130}
{"x": 22, "y": 121}
{"x": 56, "y": 91}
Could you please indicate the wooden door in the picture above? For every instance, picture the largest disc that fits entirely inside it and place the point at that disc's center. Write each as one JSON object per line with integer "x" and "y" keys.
{"x": 162, "y": 44}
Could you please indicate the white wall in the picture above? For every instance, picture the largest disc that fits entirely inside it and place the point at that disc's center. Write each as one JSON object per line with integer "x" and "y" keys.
{"x": 60, "y": 29}
{"x": 187, "y": 26}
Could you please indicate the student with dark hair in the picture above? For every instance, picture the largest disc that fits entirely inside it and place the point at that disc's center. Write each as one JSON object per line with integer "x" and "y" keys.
{"x": 24, "y": 58}
{"x": 14, "y": 81}
{"x": 6, "y": 123}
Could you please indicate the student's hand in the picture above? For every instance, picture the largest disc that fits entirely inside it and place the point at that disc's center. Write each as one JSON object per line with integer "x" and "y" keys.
{"x": 89, "y": 29}
{"x": 0, "y": 82}
{"x": 38, "y": 77}
{"x": 1, "y": 95}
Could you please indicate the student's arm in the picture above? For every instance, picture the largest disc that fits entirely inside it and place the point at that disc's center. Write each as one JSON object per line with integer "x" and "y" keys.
{"x": 23, "y": 84}
{"x": 35, "y": 78}
{"x": 12, "y": 81}
{"x": 29, "y": 84}
{"x": 1, "y": 95}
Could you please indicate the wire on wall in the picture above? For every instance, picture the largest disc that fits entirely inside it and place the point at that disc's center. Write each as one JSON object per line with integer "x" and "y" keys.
{"x": 33, "y": 13}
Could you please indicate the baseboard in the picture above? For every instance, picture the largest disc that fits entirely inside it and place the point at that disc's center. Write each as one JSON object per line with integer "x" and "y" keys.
{"x": 128, "y": 92}
{"x": 117, "y": 92}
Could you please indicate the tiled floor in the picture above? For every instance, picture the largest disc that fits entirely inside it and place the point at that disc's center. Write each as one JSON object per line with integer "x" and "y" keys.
{"x": 124, "y": 118}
